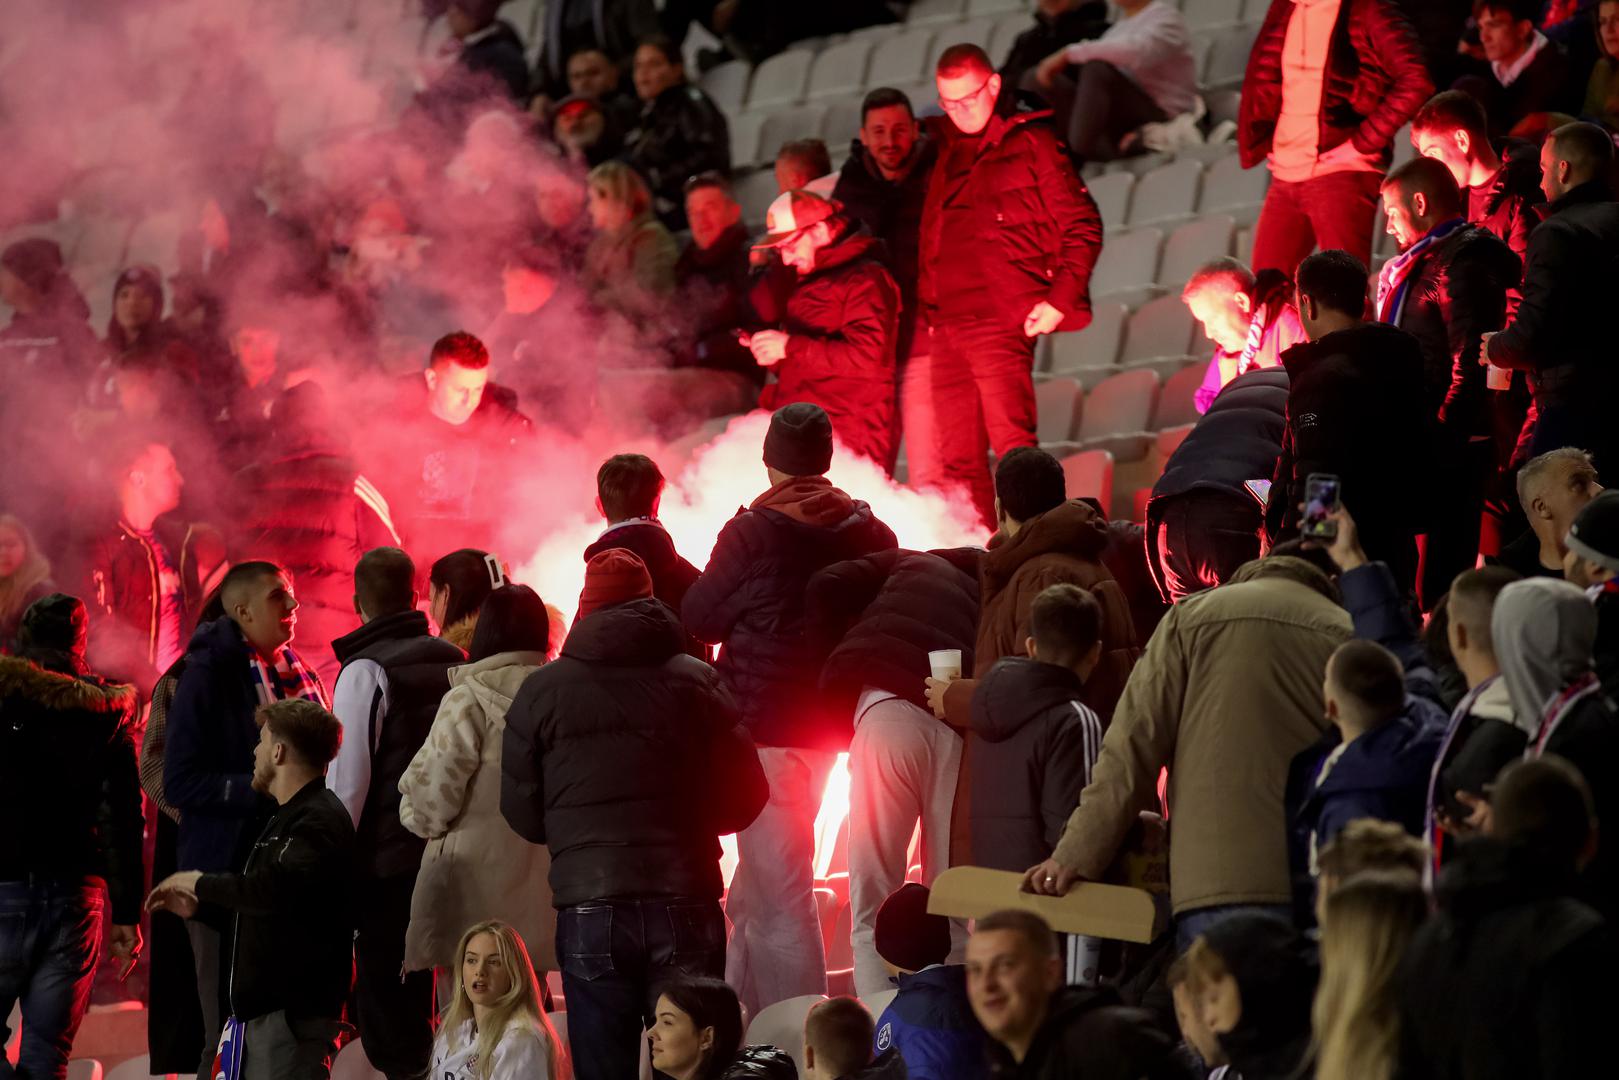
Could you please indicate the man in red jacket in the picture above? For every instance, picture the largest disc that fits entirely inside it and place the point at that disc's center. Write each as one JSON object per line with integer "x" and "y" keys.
{"x": 1009, "y": 239}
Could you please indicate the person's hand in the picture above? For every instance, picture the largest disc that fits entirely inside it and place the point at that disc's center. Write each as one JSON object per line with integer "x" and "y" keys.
{"x": 935, "y": 692}
{"x": 1050, "y": 878}
{"x": 1480, "y": 817}
{"x": 1046, "y": 72}
{"x": 1342, "y": 154}
{"x": 176, "y": 894}
{"x": 1344, "y": 549}
{"x": 124, "y": 945}
{"x": 1484, "y": 347}
{"x": 1041, "y": 319}
{"x": 769, "y": 347}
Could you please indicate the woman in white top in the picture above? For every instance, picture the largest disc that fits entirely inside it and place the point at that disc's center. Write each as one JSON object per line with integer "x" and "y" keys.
{"x": 495, "y": 1028}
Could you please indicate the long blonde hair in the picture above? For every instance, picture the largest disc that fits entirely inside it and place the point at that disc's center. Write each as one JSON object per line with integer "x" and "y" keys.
{"x": 521, "y": 1002}
{"x": 1369, "y": 920}
{"x": 35, "y": 568}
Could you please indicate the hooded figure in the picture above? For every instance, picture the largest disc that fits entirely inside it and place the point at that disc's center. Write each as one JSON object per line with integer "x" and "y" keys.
{"x": 1276, "y": 970}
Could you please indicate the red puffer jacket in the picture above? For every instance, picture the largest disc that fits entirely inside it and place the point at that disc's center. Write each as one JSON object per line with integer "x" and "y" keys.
{"x": 1376, "y": 80}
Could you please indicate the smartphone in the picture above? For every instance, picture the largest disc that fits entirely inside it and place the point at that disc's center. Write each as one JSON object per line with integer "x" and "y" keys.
{"x": 1259, "y": 489}
{"x": 1320, "y": 502}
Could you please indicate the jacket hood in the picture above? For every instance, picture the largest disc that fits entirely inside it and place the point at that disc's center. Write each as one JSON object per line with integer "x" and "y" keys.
{"x": 218, "y": 639}
{"x": 495, "y": 680}
{"x": 1276, "y": 971}
{"x": 1400, "y": 754}
{"x": 1494, "y": 702}
{"x": 1016, "y": 691}
{"x": 1484, "y": 874}
{"x": 63, "y": 693}
{"x": 1075, "y": 528}
{"x": 640, "y": 632}
{"x": 1544, "y": 631}
{"x": 1289, "y": 568}
{"x": 810, "y": 500}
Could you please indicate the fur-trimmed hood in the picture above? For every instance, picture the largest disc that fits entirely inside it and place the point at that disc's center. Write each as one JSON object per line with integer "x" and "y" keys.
{"x": 63, "y": 693}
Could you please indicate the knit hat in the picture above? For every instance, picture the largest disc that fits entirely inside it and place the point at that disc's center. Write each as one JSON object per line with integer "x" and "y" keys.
{"x": 615, "y": 576}
{"x": 1595, "y": 532}
{"x": 55, "y": 628}
{"x": 906, "y": 935}
{"x": 799, "y": 442}
{"x": 147, "y": 277}
{"x": 37, "y": 262}
{"x": 791, "y": 213}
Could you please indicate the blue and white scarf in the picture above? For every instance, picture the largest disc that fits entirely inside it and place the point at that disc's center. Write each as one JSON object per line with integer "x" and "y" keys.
{"x": 290, "y": 679}
{"x": 1394, "y": 281}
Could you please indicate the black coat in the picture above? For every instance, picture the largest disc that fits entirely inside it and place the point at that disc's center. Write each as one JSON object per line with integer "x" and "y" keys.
{"x": 1048, "y": 34}
{"x": 680, "y": 133}
{"x": 1237, "y": 440}
{"x": 878, "y": 617}
{"x": 615, "y": 28}
{"x": 624, "y": 757}
{"x": 294, "y": 906}
{"x": 751, "y": 599}
{"x": 713, "y": 287}
{"x": 1543, "y": 86}
{"x": 1032, "y": 745}
{"x": 70, "y": 798}
{"x": 1088, "y": 1034}
{"x": 892, "y": 211}
{"x": 1511, "y": 204}
{"x": 1513, "y": 977}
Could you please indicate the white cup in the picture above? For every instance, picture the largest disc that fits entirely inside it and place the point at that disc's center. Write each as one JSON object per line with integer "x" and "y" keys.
{"x": 946, "y": 663}
{"x": 1497, "y": 378}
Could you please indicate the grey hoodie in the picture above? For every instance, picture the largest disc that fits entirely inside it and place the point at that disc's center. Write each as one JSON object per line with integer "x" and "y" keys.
{"x": 1544, "y": 630}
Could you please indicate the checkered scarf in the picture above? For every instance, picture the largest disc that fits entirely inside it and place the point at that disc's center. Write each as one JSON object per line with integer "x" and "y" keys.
{"x": 289, "y": 679}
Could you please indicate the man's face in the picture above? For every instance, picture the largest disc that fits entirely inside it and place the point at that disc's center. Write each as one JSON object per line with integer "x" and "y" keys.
{"x": 454, "y": 392}
{"x": 158, "y": 478}
{"x": 591, "y": 74}
{"x": 256, "y": 348}
{"x": 1552, "y": 185}
{"x": 264, "y": 763}
{"x": 710, "y": 212}
{"x": 889, "y": 134}
{"x": 654, "y": 73}
{"x": 969, "y": 99}
{"x": 1565, "y": 491}
{"x": 1403, "y": 222}
{"x": 1009, "y": 983}
{"x": 799, "y": 251}
{"x": 580, "y": 126}
{"x": 1503, "y": 36}
{"x": 269, "y": 618}
{"x": 791, "y": 175}
{"x": 1224, "y": 312}
{"x": 1445, "y": 147}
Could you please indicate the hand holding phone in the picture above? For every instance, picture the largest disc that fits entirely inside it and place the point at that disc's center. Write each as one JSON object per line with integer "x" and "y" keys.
{"x": 1321, "y": 501}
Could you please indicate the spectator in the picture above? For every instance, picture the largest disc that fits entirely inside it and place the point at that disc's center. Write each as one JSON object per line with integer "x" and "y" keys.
{"x": 1367, "y": 846}
{"x": 1528, "y": 75}
{"x": 457, "y": 585}
{"x": 1033, "y": 744}
{"x": 292, "y": 903}
{"x": 1057, "y": 23}
{"x": 1255, "y": 977}
{"x": 571, "y": 26}
{"x": 1602, "y": 91}
{"x": 584, "y": 133}
{"x": 1502, "y": 189}
{"x": 884, "y": 186}
{"x": 804, "y": 164}
{"x": 394, "y": 672}
{"x": 25, "y": 576}
{"x": 475, "y": 865}
{"x": 1369, "y": 922}
{"x": 697, "y": 1035}
{"x": 1447, "y": 288}
{"x": 623, "y": 756}
{"x": 680, "y": 132}
{"x": 840, "y": 331}
{"x": 629, "y": 488}
{"x": 630, "y": 264}
{"x": 1041, "y": 1029}
{"x": 929, "y": 1021}
{"x": 1552, "y": 488}
{"x": 496, "y": 1027}
{"x": 542, "y": 304}
{"x": 1182, "y": 709}
{"x": 482, "y": 62}
{"x": 1328, "y": 87}
{"x": 306, "y": 506}
{"x": 1560, "y": 331}
{"x": 1355, "y": 409}
{"x": 70, "y": 799}
{"x": 138, "y": 336}
{"x": 750, "y": 600}
{"x": 1139, "y": 72}
{"x": 1185, "y": 996}
{"x": 1507, "y": 905}
{"x": 838, "y": 1038}
{"x": 1009, "y": 237}
{"x": 877, "y": 619}
{"x": 1207, "y": 511}
{"x": 712, "y": 288}
{"x": 233, "y": 665}
{"x": 595, "y": 75}
{"x": 1249, "y": 317}
{"x": 1593, "y": 564}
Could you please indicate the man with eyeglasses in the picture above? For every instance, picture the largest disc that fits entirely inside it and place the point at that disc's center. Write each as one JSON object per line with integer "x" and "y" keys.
{"x": 1009, "y": 239}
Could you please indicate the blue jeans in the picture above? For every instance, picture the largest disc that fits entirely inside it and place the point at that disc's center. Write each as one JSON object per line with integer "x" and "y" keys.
{"x": 614, "y": 955}
{"x": 1189, "y": 926}
{"x": 50, "y": 941}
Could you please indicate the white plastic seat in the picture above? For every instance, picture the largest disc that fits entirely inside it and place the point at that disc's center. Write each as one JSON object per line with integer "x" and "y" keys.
{"x": 786, "y": 125}
{"x": 1194, "y": 244}
{"x": 1007, "y": 29}
{"x": 1206, "y": 15}
{"x": 924, "y": 12}
{"x": 1159, "y": 328}
{"x": 877, "y": 1003}
{"x": 972, "y": 31}
{"x": 782, "y": 1025}
{"x": 1057, "y": 405}
{"x": 841, "y": 124}
{"x": 1168, "y": 193}
{"x": 1096, "y": 346}
{"x": 996, "y": 7}
{"x": 352, "y": 1064}
{"x": 780, "y": 80}
{"x": 899, "y": 60}
{"x": 1112, "y": 194}
{"x": 1228, "y": 188}
{"x": 745, "y": 128}
{"x": 1228, "y": 57}
{"x": 1177, "y": 404}
{"x": 1089, "y": 475}
{"x": 1117, "y": 413}
{"x": 1127, "y": 269}
{"x": 727, "y": 85}
{"x": 135, "y": 1068}
{"x": 1253, "y": 11}
{"x": 839, "y": 70}
{"x": 755, "y": 192}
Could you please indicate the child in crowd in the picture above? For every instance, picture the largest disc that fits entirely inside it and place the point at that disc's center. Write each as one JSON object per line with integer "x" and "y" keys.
{"x": 930, "y": 1021}
{"x": 1252, "y": 978}
{"x": 495, "y": 1028}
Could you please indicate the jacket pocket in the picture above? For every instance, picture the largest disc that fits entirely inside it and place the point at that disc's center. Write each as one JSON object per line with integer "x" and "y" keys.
{"x": 697, "y": 936}
{"x": 585, "y": 941}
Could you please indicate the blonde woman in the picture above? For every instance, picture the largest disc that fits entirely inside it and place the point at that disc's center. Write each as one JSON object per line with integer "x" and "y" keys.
{"x": 25, "y": 576}
{"x": 495, "y": 1028}
{"x": 630, "y": 263}
{"x": 1368, "y": 922}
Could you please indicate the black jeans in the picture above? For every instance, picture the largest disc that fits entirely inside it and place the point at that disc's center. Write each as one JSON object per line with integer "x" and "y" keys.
{"x": 50, "y": 940}
{"x": 1098, "y": 105}
{"x": 614, "y": 956}
{"x": 393, "y": 1011}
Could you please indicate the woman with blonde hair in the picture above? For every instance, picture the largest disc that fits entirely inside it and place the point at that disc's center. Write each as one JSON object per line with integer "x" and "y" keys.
{"x": 630, "y": 263}
{"x": 495, "y": 1027}
{"x": 25, "y": 576}
{"x": 1368, "y": 922}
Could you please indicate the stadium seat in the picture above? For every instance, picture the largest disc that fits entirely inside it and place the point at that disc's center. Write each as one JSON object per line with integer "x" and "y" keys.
{"x": 1192, "y": 245}
{"x": 1245, "y": 246}
{"x": 1228, "y": 188}
{"x": 1089, "y": 475}
{"x": 1127, "y": 269}
{"x": 1206, "y": 15}
{"x": 782, "y": 1025}
{"x": 135, "y": 1068}
{"x": 841, "y": 125}
{"x": 1168, "y": 441}
{"x": 744, "y": 129}
{"x": 1117, "y": 413}
{"x": 1253, "y": 11}
{"x": 1159, "y": 328}
{"x": 84, "y": 1069}
{"x": 1228, "y": 58}
{"x": 1007, "y": 29}
{"x": 925, "y": 12}
{"x": 1168, "y": 193}
{"x": 780, "y": 80}
{"x": 727, "y": 85}
{"x": 1403, "y": 150}
{"x": 1177, "y": 404}
{"x": 755, "y": 192}
{"x": 1057, "y": 404}
{"x": 976, "y": 31}
{"x": 839, "y": 70}
{"x": 899, "y": 60}
{"x": 1112, "y": 194}
{"x": 996, "y": 7}
{"x": 559, "y": 1021}
{"x": 785, "y": 125}
{"x": 1095, "y": 347}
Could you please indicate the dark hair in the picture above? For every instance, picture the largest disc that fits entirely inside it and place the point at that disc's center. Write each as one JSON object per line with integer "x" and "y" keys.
{"x": 466, "y": 574}
{"x": 1317, "y": 557}
{"x": 1369, "y": 674}
{"x": 710, "y": 179}
{"x": 149, "y": 279}
{"x": 628, "y": 485}
{"x": 1029, "y": 481}
{"x": 664, "y": 44}
{"x": 1035, "y": 930}
{"x": 711, "y": 1003}
{"x": 810, "y": 153}
{"x": 1066, "y": 623}
{"x": 1520, "y": 10}
{"x": 961, "y": 59}
{"x": 313, "y": 733}
{"x": 885, "y": 97}
{"x": 841, "y": 1032}
{"x": 385, "y": 582}
{"x": 243, "y": 575}
{"x": 1544, "y": 804}
{"x": 1587, "y": 147}
{"x": 1335, "y": 280}
{"x": 513, "y": 618}
{"x": 582, "y": 50}
{"x": 460, "y": 348}
{"x": 1433, "y": 179}
{"x": 1453, "y": 110}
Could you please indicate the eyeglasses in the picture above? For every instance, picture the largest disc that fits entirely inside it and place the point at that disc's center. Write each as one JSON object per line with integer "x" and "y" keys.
{"x": 951, "y": 104}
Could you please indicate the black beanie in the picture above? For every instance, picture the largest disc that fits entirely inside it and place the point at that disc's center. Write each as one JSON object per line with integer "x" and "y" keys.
{"x": 55, "y": 630}
{"x": 799, "y": 442}
{"x": 1595, "y": 532}
{"x": 906, "y": 935}
{"x": 37, "y": 262}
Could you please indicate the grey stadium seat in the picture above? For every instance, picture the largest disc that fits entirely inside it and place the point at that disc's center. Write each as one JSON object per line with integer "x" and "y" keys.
{"x": 1117, "y": 413}
{"x": 1194, "y": 244}
{"x": 1228, "y": 58}
{"x": 803, "y": 122}
{"x": 841, "y": 124}
{"x": 727, "y": 85}
{"x": 755, "y": 192}
{"x": 1177, "y": 405}
{"x": 1094, "y": 348}
{"x": 1112, "y": 194}
{"x": 839, "y": 70}
{"x": 780, "y": 80}
{"x": 1228, "y": 188}
{"x": 923, "y": 12}
{"x": 899, "y": 60}
{"x": 1127, "y": 270}
{"x": 1168, "y": 193}
{"x": 1205, "y": 15}
{"x": 1159, "y": 329}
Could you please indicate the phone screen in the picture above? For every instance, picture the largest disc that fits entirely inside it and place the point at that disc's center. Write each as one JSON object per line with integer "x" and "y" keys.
{"x": 1320, "y": 501}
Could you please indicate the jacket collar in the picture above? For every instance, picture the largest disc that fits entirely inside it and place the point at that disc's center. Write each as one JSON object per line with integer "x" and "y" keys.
{"x": 493, "y": 662}
{"x": 303, "y": 797}
{"x": 403, "y": 624}
{"x": 1592, "y": 191}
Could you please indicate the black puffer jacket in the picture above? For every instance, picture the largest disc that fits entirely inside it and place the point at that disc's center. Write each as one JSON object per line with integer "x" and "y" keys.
{"x": 761, "y": 1063}
{"x": 671, "y": 574}
{"x": 880, "y": 616}
{"x": 1511, "y": 204}
{"x": 624, "y": 757}
{"x": 751, "y": 599}
{"x": 1088, "y": 1033}
{"x": 892, "y": 211}
{"x": 1237, "y": 440}
{"x": 1008, "y": 223}
{"x": 1375, "y": 81}
{"x": 713, "y": 291}
{"x": 1048, "y": 34}
{"x": 681, "y": 133}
